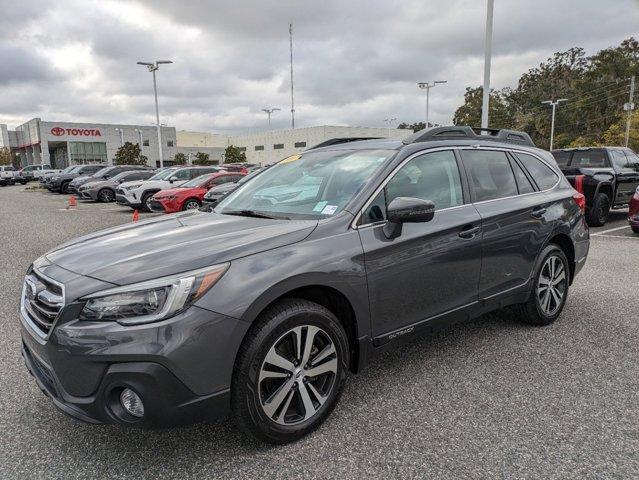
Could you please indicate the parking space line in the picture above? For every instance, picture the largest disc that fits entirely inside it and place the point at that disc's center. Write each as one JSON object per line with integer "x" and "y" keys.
{"x": 636, "y": 237}
{"x": 598, "y": 234}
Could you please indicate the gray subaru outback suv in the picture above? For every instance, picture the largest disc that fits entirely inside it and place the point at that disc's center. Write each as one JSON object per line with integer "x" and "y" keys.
{"x": 264, "y": 305}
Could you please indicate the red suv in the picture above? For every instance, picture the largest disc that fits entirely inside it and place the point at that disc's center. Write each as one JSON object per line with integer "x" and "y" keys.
{"x": 189, "y": 195}
{"x": 633, "y": 212}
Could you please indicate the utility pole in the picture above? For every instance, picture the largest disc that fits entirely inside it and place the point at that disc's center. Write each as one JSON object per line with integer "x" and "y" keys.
{"x": 388, "y": 121}
{"x": 552, "y": 122}
{"x": 269, "y": 111}
{"x": 488, "y": 45}
{"x": 629, "y": 107}
{"x": 154, "y": 67}
{"x": 427, "y": 86}
{"x": 290, "y": 40}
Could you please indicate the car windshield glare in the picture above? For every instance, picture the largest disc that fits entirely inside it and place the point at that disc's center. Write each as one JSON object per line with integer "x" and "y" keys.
{"x": 311, "y": 185}
{"x": 162, "y": 174}
{"x": 197, "y": 181}
{"x": 102, "y": 172}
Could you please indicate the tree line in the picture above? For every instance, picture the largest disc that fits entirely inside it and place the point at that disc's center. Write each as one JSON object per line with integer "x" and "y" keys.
{"x": 595, "y": 87}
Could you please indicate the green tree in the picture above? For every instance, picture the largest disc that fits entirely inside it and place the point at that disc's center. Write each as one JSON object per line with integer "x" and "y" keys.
{"x": 233, "y": 154}
{"x": 179, "y": 159}
{"x": 129, "y": 154}
{"x": 616, "y": 133}
{"x": 415, "y": 127}
{"x": 6, "y": 158}
{"x": 499, "y": 108}
{"x": 202, "y": 158}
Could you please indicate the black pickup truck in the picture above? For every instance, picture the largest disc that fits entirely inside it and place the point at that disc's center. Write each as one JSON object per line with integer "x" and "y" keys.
{"x": 607, "y": 176}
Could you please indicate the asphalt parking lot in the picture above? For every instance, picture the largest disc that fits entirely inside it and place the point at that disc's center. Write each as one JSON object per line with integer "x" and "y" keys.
{"x": 487, "y": 399}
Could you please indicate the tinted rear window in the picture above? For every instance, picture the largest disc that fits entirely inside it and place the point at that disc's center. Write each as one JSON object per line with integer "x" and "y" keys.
{"x": 542, "y": 174}
{"x": 491, "y": 175}
{"x": 588, "y": 158}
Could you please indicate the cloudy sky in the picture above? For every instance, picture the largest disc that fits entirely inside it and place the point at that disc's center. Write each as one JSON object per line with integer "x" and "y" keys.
{"x": 356, "y": 62}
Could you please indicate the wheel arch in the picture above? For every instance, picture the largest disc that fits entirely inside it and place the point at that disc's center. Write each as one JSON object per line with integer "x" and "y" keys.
{"x": 606, "y": 188}
{"x": 563, "y": 241}
{"x": 331, "y": 297}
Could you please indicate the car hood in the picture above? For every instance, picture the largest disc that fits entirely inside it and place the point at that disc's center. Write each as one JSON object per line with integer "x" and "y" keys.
{"x": 147, "y": 184}
{"x": 84, "y": 179}
{"x": 172, "y": 244}
{"x": 182, "y": 191}
{"x": 221, "y": 189}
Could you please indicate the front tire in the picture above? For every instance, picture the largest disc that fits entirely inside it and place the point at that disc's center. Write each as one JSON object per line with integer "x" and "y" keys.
{"x": 106, "y": 195}
{"x": 64, "y": 188}
{"x": 550, "y": 289}
{"x": 597, "y": 215}
{"x": 191, "y": 204}
{"x": 635, "y": 229}
{"x": 289, "y": 372}
{"x": 146, "y": 198}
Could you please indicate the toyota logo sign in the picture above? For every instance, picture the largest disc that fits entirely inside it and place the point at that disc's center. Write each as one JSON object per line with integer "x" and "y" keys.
{"x": 57, "y": 131}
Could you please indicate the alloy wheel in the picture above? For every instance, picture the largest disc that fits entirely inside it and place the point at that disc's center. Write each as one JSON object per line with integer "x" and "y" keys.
{"x": 297, "y": 375}
{"x": 106, "y": 196}
{"x": 191, "y": 205}
{"x": 551, "y": 286}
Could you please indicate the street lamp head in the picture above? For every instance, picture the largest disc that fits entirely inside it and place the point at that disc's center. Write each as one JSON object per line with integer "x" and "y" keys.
{"x": 147, "y": 64}
{"x": 422, "y": 85}
{"x": 440, "y": 81}
{"x": 164, "y": 61}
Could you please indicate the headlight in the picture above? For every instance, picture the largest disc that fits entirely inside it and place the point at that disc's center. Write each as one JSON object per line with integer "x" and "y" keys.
{"x": 152, "y": 300}
{"x": 131, "y": 187}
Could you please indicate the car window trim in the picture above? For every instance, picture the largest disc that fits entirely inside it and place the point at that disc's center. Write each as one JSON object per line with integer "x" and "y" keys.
{"x": 456, "y": 150}
{"x": 398, "y": 167}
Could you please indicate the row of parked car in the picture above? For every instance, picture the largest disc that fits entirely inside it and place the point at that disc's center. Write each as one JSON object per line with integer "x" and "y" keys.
{"x": 167, "y": 190}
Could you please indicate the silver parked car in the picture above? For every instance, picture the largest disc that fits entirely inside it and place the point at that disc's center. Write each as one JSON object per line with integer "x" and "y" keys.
{"x": 104, "y": 190}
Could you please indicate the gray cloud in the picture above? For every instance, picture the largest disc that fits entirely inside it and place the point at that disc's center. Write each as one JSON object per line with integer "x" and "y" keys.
{"x": 356, "y": 62}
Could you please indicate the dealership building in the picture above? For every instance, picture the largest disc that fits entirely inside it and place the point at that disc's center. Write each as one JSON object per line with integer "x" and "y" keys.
{"x": 68, "y": 143}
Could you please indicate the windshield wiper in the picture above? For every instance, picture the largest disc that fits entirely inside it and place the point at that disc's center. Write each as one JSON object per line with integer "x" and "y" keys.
{"x": 253, "y": 213}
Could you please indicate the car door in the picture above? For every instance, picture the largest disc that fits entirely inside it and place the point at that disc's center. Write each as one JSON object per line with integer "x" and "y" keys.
{"x": 627, "y": 177}
{"x": 432, "y": 268}
{"x": 513, "y": 213}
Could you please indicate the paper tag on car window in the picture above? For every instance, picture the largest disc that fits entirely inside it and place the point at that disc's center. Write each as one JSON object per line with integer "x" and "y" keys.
{"x": 329, "y": 209}
{"x": 319, "y": 206}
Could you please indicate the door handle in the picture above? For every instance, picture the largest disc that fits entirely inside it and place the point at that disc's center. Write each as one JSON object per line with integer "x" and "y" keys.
{"x": 538, "y": 212}
{"x": 469, "y": 232}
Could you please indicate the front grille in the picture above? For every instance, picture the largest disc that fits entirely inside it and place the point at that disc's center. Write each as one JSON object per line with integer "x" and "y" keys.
{"x": 156, "y": 206}
{"x": 42, "y": 300}
{"x": 119, "y": 191}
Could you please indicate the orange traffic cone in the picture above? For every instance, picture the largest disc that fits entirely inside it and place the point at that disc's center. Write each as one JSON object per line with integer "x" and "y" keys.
{"x": 136, "y": 215}
{"x": 73, "y": 202}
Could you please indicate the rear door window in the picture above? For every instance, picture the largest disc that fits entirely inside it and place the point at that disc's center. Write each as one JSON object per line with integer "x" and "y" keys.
{"x": 490, "y": 174}
{"x": 544, "y": 176}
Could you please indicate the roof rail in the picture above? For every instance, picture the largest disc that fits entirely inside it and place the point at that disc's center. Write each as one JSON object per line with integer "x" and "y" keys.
{"x": 339, "y": 141}
{"x": 470, "y": 133}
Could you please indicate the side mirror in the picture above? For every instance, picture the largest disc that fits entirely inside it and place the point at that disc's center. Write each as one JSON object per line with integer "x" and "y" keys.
{"x": 406, "y": 210}
{"x": 172, "y": 179}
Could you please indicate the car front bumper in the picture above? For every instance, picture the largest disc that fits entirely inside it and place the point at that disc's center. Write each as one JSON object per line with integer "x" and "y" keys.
{"x": 127, "y": 198}
{"x": 181, "y": 367}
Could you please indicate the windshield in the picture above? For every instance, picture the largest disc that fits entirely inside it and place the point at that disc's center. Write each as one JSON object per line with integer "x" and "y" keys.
{"x": 123, "y": 175}
{"x": 306, "y": 186}
{"x": 197, "y": 181}
{"x": 70, "y": 169}
{"x": 163, "y": 174}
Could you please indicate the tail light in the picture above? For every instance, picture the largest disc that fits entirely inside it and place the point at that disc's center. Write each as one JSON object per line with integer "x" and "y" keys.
{"x": 580, "y": 200}
{"x": 579, "y": 183}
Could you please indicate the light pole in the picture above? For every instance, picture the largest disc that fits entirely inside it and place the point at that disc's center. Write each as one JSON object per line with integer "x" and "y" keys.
{"x": 269, "y": 111}
{"x": 153, "y": 67}
{"x": 388, "y": 122}
{"x": 121, "y": 132}
{"x": 552, "y": 122}
{"x": 488, "y": 46}
{"x": 427, "y": 86}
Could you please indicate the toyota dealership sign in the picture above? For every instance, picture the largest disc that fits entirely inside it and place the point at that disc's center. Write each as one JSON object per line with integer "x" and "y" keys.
{"x": 76, "y": 132}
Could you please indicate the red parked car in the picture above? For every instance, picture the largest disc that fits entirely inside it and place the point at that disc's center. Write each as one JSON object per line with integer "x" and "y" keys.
{"x": 633, "y": 212}
{"x": 189, "y": 195}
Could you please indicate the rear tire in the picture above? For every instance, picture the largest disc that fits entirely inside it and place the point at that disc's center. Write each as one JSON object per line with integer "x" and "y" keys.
{"x": 549, "y": 290}
{"x": 283, "y": 401}
{"x": 64, "y": 188}
{"x": 597, "y": 215}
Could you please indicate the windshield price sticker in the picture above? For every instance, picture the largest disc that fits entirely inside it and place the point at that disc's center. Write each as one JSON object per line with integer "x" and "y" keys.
{"x": 320, "y": 206}
{"x": 329, "y": 210}
{"x": 290, "y": 159}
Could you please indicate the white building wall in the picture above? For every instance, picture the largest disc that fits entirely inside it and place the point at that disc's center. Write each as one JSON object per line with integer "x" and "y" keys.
{"x": 4, "y": 136}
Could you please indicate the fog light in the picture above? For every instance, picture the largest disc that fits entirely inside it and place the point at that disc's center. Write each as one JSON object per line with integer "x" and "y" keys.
{"x": 132, "y": 403}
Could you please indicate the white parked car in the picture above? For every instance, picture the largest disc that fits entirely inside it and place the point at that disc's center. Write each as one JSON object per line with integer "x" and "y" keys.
{"x": 7, "y": 175}
{"x": 35, "y": 172}
{"x": 137, "y": 194}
